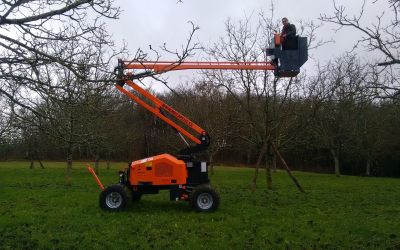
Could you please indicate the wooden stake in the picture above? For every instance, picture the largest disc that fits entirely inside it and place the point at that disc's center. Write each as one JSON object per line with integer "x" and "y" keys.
{"x": 287, "y": 168}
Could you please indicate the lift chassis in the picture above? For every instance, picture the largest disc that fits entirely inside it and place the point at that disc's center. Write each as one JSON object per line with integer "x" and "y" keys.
{"x": 183, "y": 174}
{"x": 186, "y": 179}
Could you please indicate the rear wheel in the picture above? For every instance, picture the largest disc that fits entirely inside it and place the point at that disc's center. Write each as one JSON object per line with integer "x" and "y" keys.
{"x": 114, "y": 198}
{"x": 204, "y": 199}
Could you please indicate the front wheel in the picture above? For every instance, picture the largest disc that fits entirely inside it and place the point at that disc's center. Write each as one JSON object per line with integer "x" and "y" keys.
{"x": 204, "y": 199}
{"x": 114, "y": 198}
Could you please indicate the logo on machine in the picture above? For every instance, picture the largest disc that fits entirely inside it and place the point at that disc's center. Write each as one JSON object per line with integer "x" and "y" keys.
{"x": 177, "y": 115}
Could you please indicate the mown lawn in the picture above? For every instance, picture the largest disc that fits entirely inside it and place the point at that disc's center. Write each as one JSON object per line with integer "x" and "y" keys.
{"x": 37, "y": 211}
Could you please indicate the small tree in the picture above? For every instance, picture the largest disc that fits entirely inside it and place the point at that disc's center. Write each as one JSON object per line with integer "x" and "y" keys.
{"x": 339, "y": 88}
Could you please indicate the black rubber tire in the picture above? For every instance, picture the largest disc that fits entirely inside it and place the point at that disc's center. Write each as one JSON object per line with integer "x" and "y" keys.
{"x": 114, "y": 198}
{"x": 204, "y": 199}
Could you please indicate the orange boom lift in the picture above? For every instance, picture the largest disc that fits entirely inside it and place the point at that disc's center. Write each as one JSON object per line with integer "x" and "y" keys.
{"x": 183, "y": 174}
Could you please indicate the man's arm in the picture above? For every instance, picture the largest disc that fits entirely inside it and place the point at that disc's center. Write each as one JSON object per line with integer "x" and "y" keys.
{"x": 291, "y": 31}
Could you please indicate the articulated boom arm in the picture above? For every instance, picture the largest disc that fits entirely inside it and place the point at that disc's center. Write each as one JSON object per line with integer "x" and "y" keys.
{"x": 163, "y": 66}
{"x": 286, "y": 63}
{"x": 159, "y": 108}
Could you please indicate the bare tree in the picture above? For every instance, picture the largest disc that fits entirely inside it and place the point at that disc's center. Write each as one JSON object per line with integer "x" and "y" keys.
{"x": 339, "y": 87}
{"x": 34, "y": 37}
{"x": 382, "y": 35}
{"x": 368, "y": 139}
{"x": 259, "y": 95}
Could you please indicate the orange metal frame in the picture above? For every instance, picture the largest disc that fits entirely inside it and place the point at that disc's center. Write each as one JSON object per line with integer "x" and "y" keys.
{"x": 161, "y": 66}
{"x": 159, "y": 170}
{"x": 157, "y": 110}
{"x": 95, "y": 176}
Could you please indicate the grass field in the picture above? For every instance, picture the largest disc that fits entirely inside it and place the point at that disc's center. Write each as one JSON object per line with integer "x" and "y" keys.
{"x": 37, "y": 211}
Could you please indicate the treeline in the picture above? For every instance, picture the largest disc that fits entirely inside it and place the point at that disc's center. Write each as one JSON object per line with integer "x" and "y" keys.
{"x": 330, "y": 123}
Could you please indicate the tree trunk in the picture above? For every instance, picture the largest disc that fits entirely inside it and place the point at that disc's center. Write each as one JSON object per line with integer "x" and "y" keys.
{"x": 268, "y": 166}
{"x": 368, "y": 169}
{"x": 211, "y": 163}
{"x": 69, "y": 150}
{"x": 337, "y": 167}
{"x": 108, "y": 161}
{"x": 268, "y": 172}
{"x": 30, "y": 156}
{"x": 96, "y": 163}
{"x": 41, "y": 164}
{"x": 69, "y": 168}
{"x": 337, "y": 163}
{"x": 287, "y": 168}
{"x": 248, "y": 158}
{"x": 32, "y": 163}
{"x": 260, "y": 157}
{"x": 274, "y": 163}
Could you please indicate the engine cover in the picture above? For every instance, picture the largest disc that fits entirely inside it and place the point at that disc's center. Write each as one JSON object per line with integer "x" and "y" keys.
{"x": 162, "y": 169}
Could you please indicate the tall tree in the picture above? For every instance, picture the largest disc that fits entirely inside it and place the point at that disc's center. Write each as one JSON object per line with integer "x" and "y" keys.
{"x": 259, "y": 95}
{"x": 381, "y": 35}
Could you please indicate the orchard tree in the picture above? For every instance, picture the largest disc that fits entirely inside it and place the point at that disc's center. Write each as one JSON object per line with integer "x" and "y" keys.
{"x": 339, "y": 86}
{"x": 35, "y": 37}
{"x": 381, "y": 35}
{"x": 259, "y": 96}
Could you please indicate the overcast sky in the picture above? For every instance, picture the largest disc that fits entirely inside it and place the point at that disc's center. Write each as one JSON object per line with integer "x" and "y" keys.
{"x": 165, "y": 21}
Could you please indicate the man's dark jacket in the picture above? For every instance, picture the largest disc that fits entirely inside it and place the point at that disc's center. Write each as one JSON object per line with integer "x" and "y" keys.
{"x": 289, "y": 30}
{"x": 289, "y": 42}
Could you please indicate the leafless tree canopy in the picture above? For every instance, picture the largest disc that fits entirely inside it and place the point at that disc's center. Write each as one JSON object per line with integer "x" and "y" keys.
{"x": 382, "y": 35}
{"x": 37, "y": 37}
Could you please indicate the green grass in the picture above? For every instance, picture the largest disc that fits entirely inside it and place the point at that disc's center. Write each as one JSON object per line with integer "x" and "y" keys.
{"x": 38, "y": 211}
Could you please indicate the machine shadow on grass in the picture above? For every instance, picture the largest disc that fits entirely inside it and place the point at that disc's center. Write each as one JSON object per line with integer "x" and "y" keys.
{"x": 156, "y": 206}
